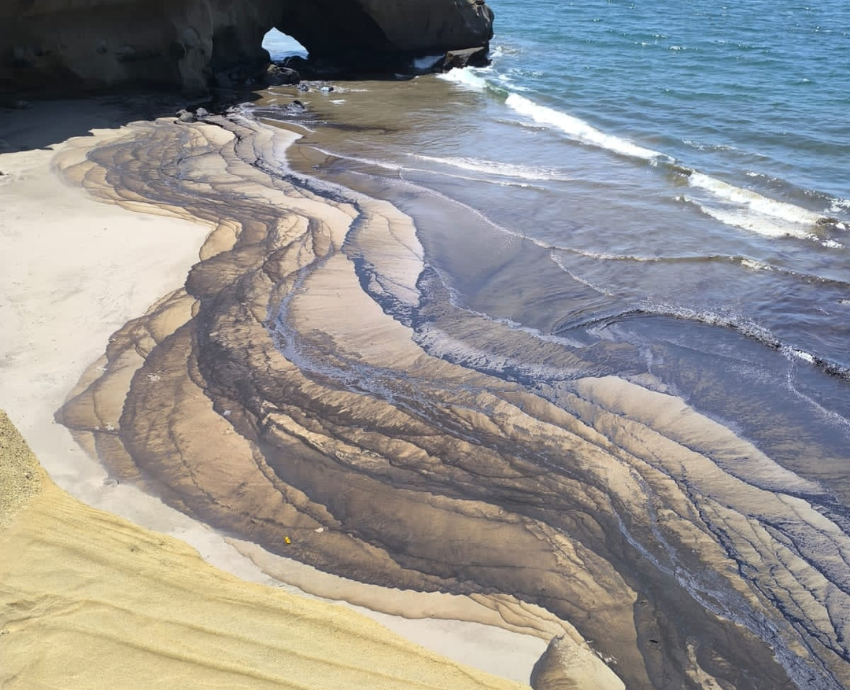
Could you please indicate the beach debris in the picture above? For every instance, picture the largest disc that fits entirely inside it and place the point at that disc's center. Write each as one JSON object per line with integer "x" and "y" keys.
{"x": 319, "y": 530}
{"x": 287, "y": 540}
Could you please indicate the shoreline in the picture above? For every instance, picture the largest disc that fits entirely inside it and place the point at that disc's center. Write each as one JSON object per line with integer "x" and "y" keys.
{"x": 62, "y": 326}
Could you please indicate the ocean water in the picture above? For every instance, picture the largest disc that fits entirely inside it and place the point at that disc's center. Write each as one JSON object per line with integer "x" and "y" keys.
{"x": 647, "y": 194}
{"x": 688, "y": 162}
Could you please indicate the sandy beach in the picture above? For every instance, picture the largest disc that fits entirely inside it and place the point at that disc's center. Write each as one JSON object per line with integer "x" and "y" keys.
{"x": 224, "y": 333}
{"x": 91, "y": 600}
{"x": 75, "y": 270}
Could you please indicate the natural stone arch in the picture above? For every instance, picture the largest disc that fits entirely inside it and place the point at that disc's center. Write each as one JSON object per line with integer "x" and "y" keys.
{"x": 98, "y": 44}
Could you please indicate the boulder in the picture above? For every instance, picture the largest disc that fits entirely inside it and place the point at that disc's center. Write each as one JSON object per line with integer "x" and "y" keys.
{"x": 468, "y": 57}
{"x": 281, "y": 76}
{"x": 62, "y": 46}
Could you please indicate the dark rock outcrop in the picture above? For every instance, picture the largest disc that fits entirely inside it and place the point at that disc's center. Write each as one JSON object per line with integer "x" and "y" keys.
{"x": 467, "y": 57}
{"x": 280, "y": 76}
{"x": 60, "y": 45}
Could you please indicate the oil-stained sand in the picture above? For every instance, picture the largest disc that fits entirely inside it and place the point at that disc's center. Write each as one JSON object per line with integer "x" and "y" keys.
{"x": 293, "y": 392}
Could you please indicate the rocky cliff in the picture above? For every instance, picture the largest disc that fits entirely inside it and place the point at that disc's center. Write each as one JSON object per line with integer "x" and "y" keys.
{"x": 78, "y": 45}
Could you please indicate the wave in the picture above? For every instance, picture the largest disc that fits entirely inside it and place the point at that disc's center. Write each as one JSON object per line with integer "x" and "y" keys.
{"x": 465, "y": 77}
{"x": 426, "y": 62}
{"x": 743, "y": 261}
{"x": 570, "y": 125}
{"x": 401, "y": 169}
{"x": 731, "y": 205}
{"x": 730, "y": 320}
{"x": 580, "y": 130}
{"x": 750, "y": 210}
{"x": 525, "y": 172}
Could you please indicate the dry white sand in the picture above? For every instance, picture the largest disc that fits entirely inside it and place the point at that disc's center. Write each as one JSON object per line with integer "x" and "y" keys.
{"x": 72, "y": 271}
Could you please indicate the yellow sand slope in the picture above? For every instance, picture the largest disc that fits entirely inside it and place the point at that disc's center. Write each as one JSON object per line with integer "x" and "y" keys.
{"x": 88, "y": 600}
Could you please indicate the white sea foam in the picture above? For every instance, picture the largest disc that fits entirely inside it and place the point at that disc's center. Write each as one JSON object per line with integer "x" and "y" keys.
{"x": 507, "y": 82}
{"x": 751, "y": 211}
{"x": 755, "y": 265}
{"x": 368, "y": 161}
{"x": 465, "y": 77}
{"x": 800, "y": 354}
{"x": 400, "y": 170}
{"x": 758, "y": 203}
{"x": 725, "y": 319}
{"x": 579, "y": 129}
{"x": 582, "y": 281}
{"x": 839, "y": 205}
{"x": 427, "y": 62}
{"x": 525, "y": 172}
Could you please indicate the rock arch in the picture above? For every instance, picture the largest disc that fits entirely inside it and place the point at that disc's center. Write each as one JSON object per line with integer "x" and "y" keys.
{"x": 101, "y": 44}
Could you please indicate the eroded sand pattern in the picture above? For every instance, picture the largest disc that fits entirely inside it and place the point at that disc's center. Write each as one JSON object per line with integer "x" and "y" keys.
{"x": 88, "y": 599}
{"x": 295, "y": 392}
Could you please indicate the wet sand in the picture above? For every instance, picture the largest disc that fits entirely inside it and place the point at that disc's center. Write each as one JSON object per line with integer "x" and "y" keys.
{"x": 75, "y": 270}
{"x": 88, "y": 599}
{"x": 314, "y": 392}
